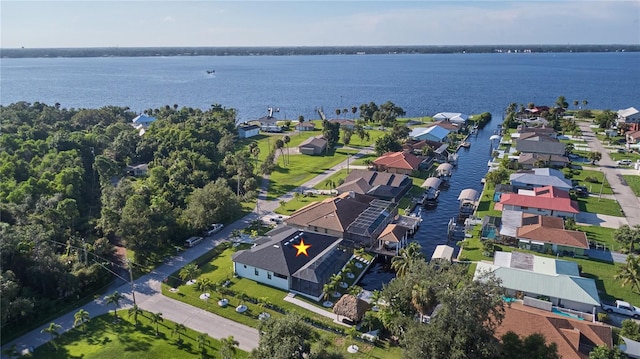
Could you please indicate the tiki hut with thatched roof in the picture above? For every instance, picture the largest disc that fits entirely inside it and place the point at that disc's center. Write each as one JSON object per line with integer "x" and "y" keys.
{"x": 351, "y": 307}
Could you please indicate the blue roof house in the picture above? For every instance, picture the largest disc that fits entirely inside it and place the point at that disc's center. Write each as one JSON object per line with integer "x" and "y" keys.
{"x": 433, "y": 133}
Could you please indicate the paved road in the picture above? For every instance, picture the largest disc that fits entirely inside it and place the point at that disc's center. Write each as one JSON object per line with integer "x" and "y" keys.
{"x": 148, "y": 288}
{"x": 624, "y": 195}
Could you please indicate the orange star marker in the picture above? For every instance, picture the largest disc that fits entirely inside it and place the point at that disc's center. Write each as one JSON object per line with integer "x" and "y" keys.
{"x": 302, "y": 248}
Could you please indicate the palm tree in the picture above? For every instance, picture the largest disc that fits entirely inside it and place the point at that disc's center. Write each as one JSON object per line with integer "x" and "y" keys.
{"x": 286, "y": 141}
{"x": 630, "y": 273}
{"x": 80, "y": 318}
{"x": 255, "y": 152}
{"x": 203, "y": 341}
{"x": 327, "y": 290}
{"x": 135, "y": 310}
{"x": 423, "y": 299}
{"x": 279, "y": 145}
{"x": 178, "y": 330}
{"x": 52, "y": 329}
{"x": 156, "y": 318}
{"x": 576, "y": 103}
{"x": 406, "y": 257}
{"x": 228, "y": 348}
{"x": 585, "y": 103}
{"x": 204, "y": 284}
{"x": 189, "y": 271}
{"x": 300, "y": 122}
{"x": 114, "y": 299}
{"x": 264, "y": 302}
{"x": 338, "y": 111}
{"x": 354, "y": 109}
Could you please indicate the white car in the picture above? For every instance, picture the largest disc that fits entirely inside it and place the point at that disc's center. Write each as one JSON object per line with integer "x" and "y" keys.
{"x": 624, "y": 163}
{"x": 214, "y": 228}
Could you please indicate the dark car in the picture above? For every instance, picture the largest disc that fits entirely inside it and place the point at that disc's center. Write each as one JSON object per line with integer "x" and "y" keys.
{"x": 581, "y": 191}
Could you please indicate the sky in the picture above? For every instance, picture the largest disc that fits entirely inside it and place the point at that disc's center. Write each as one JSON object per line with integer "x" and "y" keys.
{"x": 45, "y": 24}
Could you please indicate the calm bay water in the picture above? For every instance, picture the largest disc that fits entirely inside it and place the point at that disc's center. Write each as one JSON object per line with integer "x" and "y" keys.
{"x": 421, "y": 84}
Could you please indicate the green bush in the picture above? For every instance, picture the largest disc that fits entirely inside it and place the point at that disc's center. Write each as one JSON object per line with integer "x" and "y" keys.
{"x": 591, "y": 179}
{"x": 603, "y": 317}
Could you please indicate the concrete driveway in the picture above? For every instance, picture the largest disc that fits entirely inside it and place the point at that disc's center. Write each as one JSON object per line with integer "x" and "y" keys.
{"x": 600, "y": 220}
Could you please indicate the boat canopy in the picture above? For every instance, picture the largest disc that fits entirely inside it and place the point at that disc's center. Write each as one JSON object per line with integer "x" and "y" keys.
{"x": 432, "y": 182}
{"x": 468, "y": 194}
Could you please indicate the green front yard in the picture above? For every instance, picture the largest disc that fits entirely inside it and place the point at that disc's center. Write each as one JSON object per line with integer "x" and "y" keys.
{"x": 589, "y": 178}
{"x": 633, "y": 182}
{"x": 600, "y": 205}
{"x": 271, "y": 300}
{"x": 106, "y": 338}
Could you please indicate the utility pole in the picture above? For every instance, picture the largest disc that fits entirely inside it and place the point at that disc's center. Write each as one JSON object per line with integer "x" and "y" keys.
{"x": 133, "y": 289}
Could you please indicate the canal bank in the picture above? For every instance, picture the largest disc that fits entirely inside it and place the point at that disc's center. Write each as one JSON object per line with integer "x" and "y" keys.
{"x": 471, "y": 168}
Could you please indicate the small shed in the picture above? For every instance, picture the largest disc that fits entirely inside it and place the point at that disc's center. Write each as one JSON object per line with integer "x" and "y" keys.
{"x": 351, "y": 307}
{"x": 246, "y": 131}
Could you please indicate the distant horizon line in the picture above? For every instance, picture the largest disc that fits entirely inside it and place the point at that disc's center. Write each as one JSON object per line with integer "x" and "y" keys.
{"x": 305, "y": 46}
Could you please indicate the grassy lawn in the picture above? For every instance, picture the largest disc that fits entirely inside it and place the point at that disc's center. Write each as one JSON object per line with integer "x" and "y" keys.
{"x": 580, "y": 175}
{"x": 486, "y": 204}
{"x": 600, "y": 205}
{"x": 105, "y": 338}
{"x": 298, "y": 202}
{"x": 634, "y": 183}
{"x": 601, "y": 235}
{"x": 220, "y": 269}
{"x": 601, "y": 272}
{"x": 301, "y": 169}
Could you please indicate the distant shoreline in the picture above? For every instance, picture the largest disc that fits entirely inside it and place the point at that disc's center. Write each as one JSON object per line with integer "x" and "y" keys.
{"x": 304, "y": 50}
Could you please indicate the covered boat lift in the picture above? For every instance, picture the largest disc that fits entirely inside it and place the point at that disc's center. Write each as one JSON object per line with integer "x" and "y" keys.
{"x": 444, "y": 171}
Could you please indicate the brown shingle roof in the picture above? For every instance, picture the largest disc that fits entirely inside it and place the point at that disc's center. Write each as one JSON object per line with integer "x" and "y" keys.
{"x": 392, "y": 233}
{"x": 335, "y": 213}
{"x": 551, "y": 230}
{"x": 574, "y": 338}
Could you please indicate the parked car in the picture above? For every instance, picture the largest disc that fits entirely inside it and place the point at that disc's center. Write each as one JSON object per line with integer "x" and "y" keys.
{"x": 191, "y": 242}
{"x": 213, "y": 229}
{"x": 622, "y": 307}
{"x": 581, "y": 191}
{"x": 624, "y": 163}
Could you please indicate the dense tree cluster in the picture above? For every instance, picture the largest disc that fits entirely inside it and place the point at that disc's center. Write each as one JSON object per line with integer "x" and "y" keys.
{"x": 65, "y": 196}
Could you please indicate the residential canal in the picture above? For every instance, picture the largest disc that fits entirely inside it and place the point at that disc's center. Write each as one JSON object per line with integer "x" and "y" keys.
{"x": 472, "y": 167}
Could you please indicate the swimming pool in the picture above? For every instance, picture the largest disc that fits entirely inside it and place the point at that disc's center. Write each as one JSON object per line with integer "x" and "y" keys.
{"x": 554, "y": 310}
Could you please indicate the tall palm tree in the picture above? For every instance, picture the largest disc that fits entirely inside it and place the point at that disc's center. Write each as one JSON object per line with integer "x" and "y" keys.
{"x": 228, "y": 348}
{"x": 406, "y": 257}
{"x": 189, "y": 271}
{"x": 576, "y": 103}
{"x": 178, "y": 330}
{"x": 354, "y": 109}
{"x": 630, "y": 273}
{"x": 156, "y": 318}
{"x": 203, "y": 341}
{"x": 279, "y": 145}
{"x": 52, "y": 330}
{"x": 255, "y": 152}
{"x": 80, "y": 318}
{"x": 585, "y": 103}
{"x": 300, "y": 122}
{"x": 423, "y": 299}
{"x": 114, "y": 299}
{"x": 135, "y": 310}
{"x": 327, "y": 290}
{"x": 286, "y": 141}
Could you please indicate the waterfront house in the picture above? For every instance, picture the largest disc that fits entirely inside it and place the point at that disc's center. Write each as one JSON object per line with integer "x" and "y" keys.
{"x": 381, "y": 185}
{"x": 433, "y": 133}
{"x": 539, "y": 177}
{"x": 573, "y": 337}
{"x": 533, "y": 160}
{"x": 545, "y": 131}
{"x": 354, "y": 217}
{"x": 544, "y": 234}
{"x": 449, "y": 126}
{"x": 439, "y": 150}
{"x": 269, "y": 123}
{"x": 629, "y": 115}
{"x": 453, "y": 117}
{"x": 540, "y": 144}
{"x": 143, "y": 120}
{"x": 547, "y": 201}
{"x": 397, "y": 162}
{"x": 344, "y": 123}
{"x": 313, "y": 146}
{"x": 277, "y": 261}
{"x": 553, "y": 280}
{"x": 305, "y": 126}
{"x": 245, "y": 130}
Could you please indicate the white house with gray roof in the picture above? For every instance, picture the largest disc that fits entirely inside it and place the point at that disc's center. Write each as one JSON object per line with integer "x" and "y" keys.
{"x": 540, "y": 177}
{"x": 535, "y": 276}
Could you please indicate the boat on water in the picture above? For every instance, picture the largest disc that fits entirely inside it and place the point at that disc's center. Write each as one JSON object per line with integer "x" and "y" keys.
{"x": 430, "y": 197}
{"x": 211, "y": 72}
{"x": 465, "y": 144}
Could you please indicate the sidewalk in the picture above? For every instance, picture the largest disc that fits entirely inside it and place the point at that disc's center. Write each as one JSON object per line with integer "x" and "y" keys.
{"x": 623, "y": 194}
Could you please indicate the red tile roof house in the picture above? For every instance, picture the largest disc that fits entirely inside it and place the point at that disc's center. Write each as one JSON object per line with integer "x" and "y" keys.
{"x": 397, "y": 162}
{"x": 574, "y": 338}
{"x": 632, "y": 137}
{"x": 543, "y": 233}
{"x": 546, "y": 201}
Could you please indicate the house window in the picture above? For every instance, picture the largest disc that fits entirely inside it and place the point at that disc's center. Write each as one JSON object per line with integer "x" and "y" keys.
{"x": 268, "y": 275}
{"x": 255, "y": 271}
{"x": 524, "y": 207}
